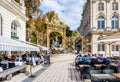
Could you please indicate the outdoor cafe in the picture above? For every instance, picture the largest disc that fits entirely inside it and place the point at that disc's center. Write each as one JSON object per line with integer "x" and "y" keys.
{"x": 10, "y": 64}
{"x": 99, "y": 68}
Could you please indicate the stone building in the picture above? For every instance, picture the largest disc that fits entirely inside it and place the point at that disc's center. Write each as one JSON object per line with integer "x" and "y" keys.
{"x": 100, "y": 18}
{"x": 13, "y": 19}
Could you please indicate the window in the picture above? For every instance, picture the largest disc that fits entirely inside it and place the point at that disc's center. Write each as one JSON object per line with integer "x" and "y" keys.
{"x": 14, "y": 29}
{"x": 115, "y": 6}
{"x": 115, "y": 21}
{"x": 114, "y": 47}
{"x": 14, "y": 32}
{"x": 101, "y": 6}
{"x": 101, "y": 23}
{"x": 101, "y": 47}
{"x": 0, "y": 25}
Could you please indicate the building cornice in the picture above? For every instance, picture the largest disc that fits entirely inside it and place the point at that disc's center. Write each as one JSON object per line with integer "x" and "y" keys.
{"x": 103, "y": 33}
{"x": 14, "y": 8}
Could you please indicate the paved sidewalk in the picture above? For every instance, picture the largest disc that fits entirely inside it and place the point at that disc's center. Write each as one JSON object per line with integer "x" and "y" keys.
{"x": 60, "y": 72}
{"x": 63, "y": 57}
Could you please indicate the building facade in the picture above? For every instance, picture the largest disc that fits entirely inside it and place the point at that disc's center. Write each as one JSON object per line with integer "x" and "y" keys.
{"x": 100, "y": 18}
{"x": 13, "y": 19}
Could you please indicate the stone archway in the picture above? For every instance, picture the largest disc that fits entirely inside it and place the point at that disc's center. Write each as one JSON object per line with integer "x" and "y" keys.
{"x": 55, "y": 39}
{"x": 31, "y": 33}
{"x": 58, "y": 29}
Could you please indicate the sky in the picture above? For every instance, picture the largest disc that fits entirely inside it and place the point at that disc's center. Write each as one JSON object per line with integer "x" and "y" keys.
{"x": 69, "y": 11}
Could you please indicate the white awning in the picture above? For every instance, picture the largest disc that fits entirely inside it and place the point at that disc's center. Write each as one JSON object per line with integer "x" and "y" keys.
{"x": 41, "y": 47}
{"x": 7, "y": 44}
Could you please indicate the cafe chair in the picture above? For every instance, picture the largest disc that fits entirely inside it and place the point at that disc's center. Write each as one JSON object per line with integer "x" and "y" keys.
{"x": 86, "y": 72}
{"x": 95, "y": 72}
{"x": 11, "y": 65}
{"x": 4, "y": 66}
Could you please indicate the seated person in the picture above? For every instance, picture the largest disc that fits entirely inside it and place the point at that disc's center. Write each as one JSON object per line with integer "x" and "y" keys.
{"x": 4, "y": 63}
{"x": 86, "y": 59}
{"x": 19, "y": 58}
{"x": 79, "y": 59}
{"x": 24, "y": 56}
{"x": 13, "y": 58}
{"x": 100, "y": 59}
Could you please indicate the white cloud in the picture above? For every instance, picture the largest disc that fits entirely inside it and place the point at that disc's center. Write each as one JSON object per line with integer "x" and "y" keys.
{"x": 69, "y": 11}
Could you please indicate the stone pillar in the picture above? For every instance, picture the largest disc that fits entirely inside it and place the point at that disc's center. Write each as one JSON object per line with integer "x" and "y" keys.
{"x": 64, "y": 38}
{"x": 48, "y": 42}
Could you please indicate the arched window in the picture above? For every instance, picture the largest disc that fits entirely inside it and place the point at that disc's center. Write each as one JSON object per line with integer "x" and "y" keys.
{"x": 0, "y": 25}
{"x": 101, "y": 22}
{"x": 14, "y": 32}
{"x": 115, "y": 21}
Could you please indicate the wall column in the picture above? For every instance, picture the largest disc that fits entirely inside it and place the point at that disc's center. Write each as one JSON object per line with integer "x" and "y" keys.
{"x": 48, "y": 42}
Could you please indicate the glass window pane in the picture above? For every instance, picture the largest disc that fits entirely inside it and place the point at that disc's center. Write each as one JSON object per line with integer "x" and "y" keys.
{"x": 100, "y": 6}
{"x": 112, "y": 47}
{"x": 14, "y": 29}
{"x": 98, "y": 24}
{"x": 115, "y": 22}
{"x": 115, "y": 5}
{"x": 117, "y": 48}
{"x": 112, "y": 24}
{"x": 103, "y": 25}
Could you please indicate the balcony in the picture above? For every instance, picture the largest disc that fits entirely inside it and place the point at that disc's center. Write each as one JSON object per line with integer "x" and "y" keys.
{"x": 115, "y": 29}
{"x": 100, "y": 30}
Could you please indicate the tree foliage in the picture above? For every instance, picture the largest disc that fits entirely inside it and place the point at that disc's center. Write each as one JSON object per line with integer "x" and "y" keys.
{"x": 68, "y": 32}
{"x": 33, "y": 39}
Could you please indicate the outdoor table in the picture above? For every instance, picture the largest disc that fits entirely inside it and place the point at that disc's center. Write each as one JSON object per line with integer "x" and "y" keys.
{"x": 113, "y": 60}
{"x": 104, "y": 77}
{"x": 83, "y": 65}
{"x": 98, "y": 65}
{"x": 29, "y": 58}
{"x": 117, "y": 75}
{"x": 18, "y": 63}
{"x": 113, "y": 64}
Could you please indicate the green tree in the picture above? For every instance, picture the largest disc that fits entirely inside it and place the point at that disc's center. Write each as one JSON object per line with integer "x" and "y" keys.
{"x": 74, "y": 33}
{"x": 33, "y": 39}
{"x": 68, "y": 32}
